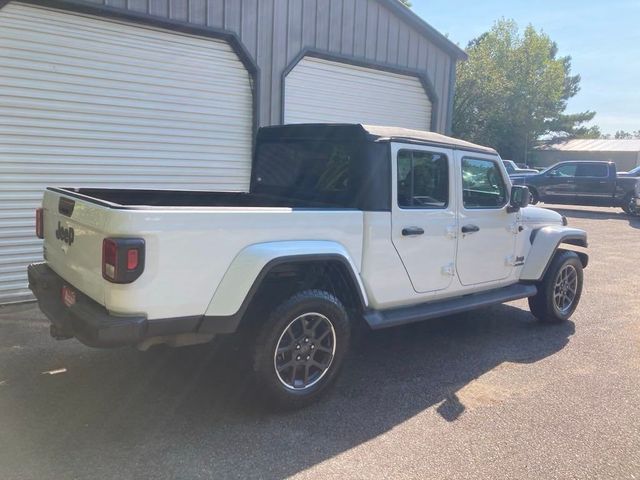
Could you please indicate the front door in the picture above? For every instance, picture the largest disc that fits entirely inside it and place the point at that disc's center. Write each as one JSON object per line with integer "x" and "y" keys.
{"x": 487, "y": 232}
{"x": 560, "y": 184}
{"x": 424, "y": 215}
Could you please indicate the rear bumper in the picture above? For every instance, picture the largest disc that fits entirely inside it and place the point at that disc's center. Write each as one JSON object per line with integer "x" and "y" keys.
{"x": 90, "y": 322}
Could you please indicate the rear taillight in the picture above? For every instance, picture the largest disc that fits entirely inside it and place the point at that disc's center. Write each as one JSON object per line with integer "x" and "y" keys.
{"x": 122, "y": 259}
{"x": 39, "y": 222}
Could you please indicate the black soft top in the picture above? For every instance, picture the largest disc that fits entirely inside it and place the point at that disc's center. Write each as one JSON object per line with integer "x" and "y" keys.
{"x": 365, "y": 133}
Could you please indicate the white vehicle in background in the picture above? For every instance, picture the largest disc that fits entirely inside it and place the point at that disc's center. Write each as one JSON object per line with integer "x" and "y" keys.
{"x": 513, "y": 169}
{"x": 343, "y": 223}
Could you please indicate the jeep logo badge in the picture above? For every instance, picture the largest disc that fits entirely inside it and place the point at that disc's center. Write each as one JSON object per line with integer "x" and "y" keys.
{"x": 65, "y": 234}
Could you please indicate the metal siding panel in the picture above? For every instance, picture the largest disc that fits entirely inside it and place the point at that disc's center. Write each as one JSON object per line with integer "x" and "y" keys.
{"x": 348, "y": 26}
{"x": 159, "y": 8}
{"x": 264, "y": 58}
{"x": 382, "y": 35}
{"x": 278, "y": 58}
{"x": 360, "y": 28}
{"x": 138, "y": 5}
{"x": 393, "y": 34}
{"x": 318, "y": 90}
{"x": 322, "y": 24}
{"x": 179, "y": 10}
{"x": 294, "y": 29}
{"x": 309, "y": 22}
{"x": 89, "y": 102}
{"x": 116, "y": 3}
{"x": 198, "y": 12}
{"x": 232, "y": 15}
{"x": 215, "y": 13}
{"x": 249, "y": 26}
{"x": 371, "y": 37}
{"x": 443, "y": 70}
{"x": 403, "y": 46}
{"x": 423, "y": 54}
{"x": 414, "y": 42}
{"x": 335, "y": 25}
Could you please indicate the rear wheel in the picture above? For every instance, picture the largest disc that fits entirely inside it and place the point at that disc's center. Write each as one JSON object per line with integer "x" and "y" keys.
{"x": 300, "y": 348}
{"x": 560, "y": 289}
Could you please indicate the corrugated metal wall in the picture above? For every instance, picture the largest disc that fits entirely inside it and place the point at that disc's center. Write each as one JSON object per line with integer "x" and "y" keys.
{"x": 274, "y": 32}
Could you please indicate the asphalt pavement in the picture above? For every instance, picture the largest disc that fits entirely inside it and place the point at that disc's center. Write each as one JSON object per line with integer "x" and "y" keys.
{"x": 490, "y": 394}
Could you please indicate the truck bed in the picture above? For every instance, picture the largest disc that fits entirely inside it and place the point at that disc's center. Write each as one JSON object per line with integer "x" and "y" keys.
{"x": 131, "y": 199}
{"x": 191, "y": 239}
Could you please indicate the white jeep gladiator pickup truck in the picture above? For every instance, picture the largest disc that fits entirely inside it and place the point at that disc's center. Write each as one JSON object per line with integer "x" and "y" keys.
{"x": 342, "y": 223}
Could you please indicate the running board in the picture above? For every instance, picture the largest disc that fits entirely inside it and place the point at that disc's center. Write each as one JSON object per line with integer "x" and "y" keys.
{"x": 399, "y": 316}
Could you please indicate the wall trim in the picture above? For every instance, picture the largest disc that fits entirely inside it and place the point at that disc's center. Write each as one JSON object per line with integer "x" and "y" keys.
{"x": 423, "y": 76}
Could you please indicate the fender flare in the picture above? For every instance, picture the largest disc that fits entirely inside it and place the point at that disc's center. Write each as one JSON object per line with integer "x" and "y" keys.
{"x": 249, "y": 268}
{"x": 544, "y": 243}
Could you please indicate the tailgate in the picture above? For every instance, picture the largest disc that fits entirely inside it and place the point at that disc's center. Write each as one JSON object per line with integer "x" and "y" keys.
{"x": 73, "y": 234}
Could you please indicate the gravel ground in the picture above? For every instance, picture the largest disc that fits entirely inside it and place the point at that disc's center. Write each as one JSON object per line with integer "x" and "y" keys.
{"x": 489, "y": 394}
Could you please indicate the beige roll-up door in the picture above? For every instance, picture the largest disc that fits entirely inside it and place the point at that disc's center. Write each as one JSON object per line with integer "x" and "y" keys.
{"x": 319, "y": 90}
{"x": 86, "y": 101}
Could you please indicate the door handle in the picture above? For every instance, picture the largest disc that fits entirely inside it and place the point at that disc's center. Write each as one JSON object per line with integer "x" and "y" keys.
{"x": 470, "y": 229}
{"x": 408, "y": 231}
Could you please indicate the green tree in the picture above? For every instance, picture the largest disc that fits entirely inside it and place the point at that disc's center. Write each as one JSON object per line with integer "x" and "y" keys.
{"x": 513, "y": 90}
{"x": 622, "y": 135}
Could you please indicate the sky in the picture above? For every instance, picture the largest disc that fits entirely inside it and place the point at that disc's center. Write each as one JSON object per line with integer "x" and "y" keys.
{"x": 602, "y": 38}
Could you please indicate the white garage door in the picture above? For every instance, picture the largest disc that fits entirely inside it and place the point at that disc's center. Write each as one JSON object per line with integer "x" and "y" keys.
{"x": 319, "y": 90}
{"x": 90, "y": 102}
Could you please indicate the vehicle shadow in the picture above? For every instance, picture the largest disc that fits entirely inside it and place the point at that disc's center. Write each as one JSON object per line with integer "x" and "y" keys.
{"x": 191, "y": 412}
{"x": 634, "y": 221}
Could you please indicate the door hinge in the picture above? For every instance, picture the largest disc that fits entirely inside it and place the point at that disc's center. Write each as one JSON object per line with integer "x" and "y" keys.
{"x": 448, "y": 269}
{"x": 515, "y": 227}
{"x": 515, "y": 261}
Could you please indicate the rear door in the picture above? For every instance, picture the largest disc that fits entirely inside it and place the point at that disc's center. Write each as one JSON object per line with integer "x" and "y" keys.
{"x": 424, "y": 214}
{"x": 593, "y": 184}
{"x": 487, "y": 232}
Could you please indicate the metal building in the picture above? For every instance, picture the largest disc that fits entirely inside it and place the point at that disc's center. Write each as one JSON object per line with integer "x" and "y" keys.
{"x": 169, "y": 93}
{"x": 625, "y": 153}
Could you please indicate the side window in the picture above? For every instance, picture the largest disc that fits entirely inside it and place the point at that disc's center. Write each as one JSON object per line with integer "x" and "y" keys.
{"x": 423, "y": 179}
{"x": 592, "y": 170}
{"x": 568, "y": 170}
{"x": 482, "y": 184}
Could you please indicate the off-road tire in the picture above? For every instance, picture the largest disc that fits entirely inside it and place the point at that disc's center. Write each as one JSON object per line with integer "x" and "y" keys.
{"x": 544, "y": 305}
{"x": 270, "y": 386}
{"x": 628, "y": 207}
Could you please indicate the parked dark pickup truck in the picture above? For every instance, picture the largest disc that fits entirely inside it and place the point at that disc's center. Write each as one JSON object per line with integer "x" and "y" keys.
{"x": 583, "y": 183}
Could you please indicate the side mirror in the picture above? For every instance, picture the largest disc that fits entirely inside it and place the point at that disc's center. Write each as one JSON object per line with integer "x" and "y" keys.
{"x": 520, "y": 197}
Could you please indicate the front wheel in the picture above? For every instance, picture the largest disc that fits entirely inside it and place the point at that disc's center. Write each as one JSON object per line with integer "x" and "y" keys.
{"x": 560, "y": 289}
{"x": 629, "y": 206}
{"x": 300, "y": 348}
